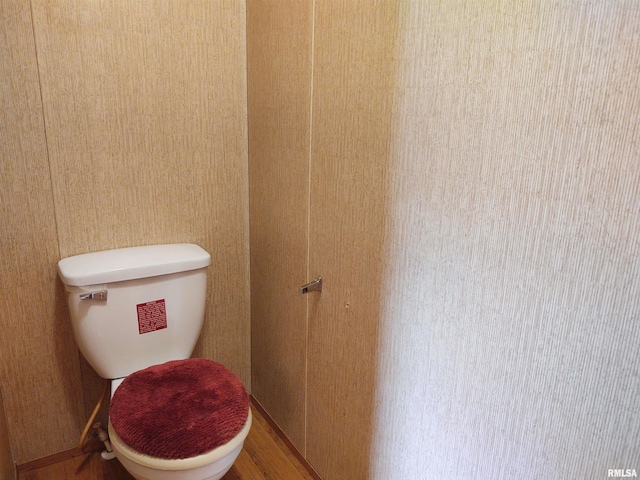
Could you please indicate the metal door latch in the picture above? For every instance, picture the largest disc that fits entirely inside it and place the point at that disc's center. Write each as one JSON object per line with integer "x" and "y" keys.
{"x": 97, "y": 295}
{"x": 314, "y": 286}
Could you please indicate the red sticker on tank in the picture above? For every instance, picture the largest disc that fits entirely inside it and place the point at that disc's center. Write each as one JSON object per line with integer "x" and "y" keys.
{"x": 152, "y": 316}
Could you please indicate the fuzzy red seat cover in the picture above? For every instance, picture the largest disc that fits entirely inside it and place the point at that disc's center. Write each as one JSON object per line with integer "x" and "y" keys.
{"x": 179, "y": 409}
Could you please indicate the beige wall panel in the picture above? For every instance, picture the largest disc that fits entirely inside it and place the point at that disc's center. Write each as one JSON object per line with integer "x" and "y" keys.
{"x": 7, "y": 464}
{"x": 354, "y": 69}
{"x": 145, "y": 110}
{"x": 474, "y": 199}
{"x": 43, "y": 391}
{"x": 39, "y": 369}
{"x": 279, "y": 68}
{"x": 509, "y": 334}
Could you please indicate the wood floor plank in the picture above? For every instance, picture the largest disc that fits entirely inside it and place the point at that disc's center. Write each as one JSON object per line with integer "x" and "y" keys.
{"x": 49, "y": 472}
{"x": 272, "y": 462}
{"x": 93, "y": 467}
{"x": 284, "y": 446}
{"x": 244, "y": 469}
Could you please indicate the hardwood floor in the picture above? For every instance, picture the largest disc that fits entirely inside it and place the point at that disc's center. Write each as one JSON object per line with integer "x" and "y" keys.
{"x": 265, "y": 456}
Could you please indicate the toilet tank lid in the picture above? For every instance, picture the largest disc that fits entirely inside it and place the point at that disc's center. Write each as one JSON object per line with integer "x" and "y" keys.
{"x": 131, "y": 263}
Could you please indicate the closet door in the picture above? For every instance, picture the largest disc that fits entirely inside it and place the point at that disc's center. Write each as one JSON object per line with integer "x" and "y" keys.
{"x": 279, "y": 78}
{"x": 351, "y": 130}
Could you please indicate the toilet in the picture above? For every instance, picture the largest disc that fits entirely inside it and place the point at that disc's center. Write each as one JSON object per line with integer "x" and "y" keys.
{"x": 136, "y": 315}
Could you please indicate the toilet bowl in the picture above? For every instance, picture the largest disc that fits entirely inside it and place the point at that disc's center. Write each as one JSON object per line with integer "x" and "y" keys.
{"x": 209, "y": 466}
{"x": 136, "y": 315}
{"x": 183, "y": 419}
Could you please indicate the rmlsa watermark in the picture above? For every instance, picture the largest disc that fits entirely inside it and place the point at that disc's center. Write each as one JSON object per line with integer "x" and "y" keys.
{"x": 622, "y": 473}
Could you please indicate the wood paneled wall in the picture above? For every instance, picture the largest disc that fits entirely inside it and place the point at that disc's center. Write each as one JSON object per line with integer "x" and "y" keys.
{"x": 122, "y": 124}
{"x": 7, "y": 464}
{"x": 354, "y": 69}
{"x": 475, "y": 190}
{"x": 509, "y": 333}
{"x": 279, "y": 98}
{"x": 484, "y": 154}
{"x": 39, "y": 367}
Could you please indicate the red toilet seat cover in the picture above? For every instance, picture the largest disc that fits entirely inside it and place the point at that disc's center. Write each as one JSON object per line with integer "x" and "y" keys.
{"x": 179, "y": 409}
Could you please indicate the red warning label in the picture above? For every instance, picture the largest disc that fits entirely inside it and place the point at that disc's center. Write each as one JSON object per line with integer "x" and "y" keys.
{"x": 152, "y": 316}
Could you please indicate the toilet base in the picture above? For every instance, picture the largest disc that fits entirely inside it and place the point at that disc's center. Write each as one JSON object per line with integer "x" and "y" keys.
{"x": 214, "y": 471}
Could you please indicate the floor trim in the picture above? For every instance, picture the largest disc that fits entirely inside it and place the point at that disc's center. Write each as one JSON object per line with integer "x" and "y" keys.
{"x": 90, "y": 447}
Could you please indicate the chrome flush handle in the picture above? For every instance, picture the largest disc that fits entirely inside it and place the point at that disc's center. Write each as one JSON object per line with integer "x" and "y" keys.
{"x": 97, "y": 295}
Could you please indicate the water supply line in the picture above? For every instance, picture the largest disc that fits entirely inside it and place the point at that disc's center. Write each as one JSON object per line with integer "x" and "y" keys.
{"x": 108, "y": 453}
{"x": 102, "y": 435}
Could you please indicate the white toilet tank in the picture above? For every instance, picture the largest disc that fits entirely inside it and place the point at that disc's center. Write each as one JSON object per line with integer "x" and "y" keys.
{"x": 136, "y": 307}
